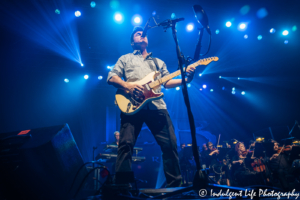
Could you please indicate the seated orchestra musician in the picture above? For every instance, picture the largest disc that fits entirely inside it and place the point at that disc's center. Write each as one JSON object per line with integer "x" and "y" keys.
{"x": 242, "y": 170}
{"x": 203, "y": 154}
{"x": 213, "y": 162}
{"x": 279, "y": 166}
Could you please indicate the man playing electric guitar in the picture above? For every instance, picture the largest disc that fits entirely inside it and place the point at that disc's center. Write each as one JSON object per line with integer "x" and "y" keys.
{"x": 135, "y": 66}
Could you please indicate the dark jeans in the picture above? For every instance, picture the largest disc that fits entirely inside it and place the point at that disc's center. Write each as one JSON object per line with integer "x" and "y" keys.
{"x": 161, "y": 126}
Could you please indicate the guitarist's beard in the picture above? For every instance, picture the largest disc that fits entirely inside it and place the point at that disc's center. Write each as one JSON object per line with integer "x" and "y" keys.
{"x": 140, "y": 45}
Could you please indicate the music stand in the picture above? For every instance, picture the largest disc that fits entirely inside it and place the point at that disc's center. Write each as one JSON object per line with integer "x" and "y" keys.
{"x": 295, "y": 153}
{"x": 265, "y": 149}
{"x": 188, "y": 152}
{"x": 223, "y": 152}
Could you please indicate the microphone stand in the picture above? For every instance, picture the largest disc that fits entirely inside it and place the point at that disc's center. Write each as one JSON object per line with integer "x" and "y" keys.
{"x": 200, "y": 180}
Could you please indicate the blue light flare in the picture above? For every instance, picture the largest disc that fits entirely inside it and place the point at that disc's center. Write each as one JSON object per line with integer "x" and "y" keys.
{"x": 86, "y": 76}
{"x": 118, "y": 17}
{"x": 190, "y": 27}
{"x": 259, "y": 37}
{"x": 53, "y": 32}
{"x": 77, "y": 13}
{"x": 242, "y": 26}
{"x": 272, "y": 30}
{"x": 136, "y": 20}
{"x": 285, "y": 32}
{"x": 93, "y": 4}
{"x": 228, "y": 24}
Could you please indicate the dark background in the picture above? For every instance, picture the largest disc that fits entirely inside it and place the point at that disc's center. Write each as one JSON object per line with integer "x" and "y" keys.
{"x": 39, "y": 49}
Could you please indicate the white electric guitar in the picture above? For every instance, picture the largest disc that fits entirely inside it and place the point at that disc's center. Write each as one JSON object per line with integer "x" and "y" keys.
{"x": 131, "y": 104}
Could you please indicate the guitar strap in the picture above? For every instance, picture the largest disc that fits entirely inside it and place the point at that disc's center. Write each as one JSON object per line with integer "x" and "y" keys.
{"x": 156, "y": 64}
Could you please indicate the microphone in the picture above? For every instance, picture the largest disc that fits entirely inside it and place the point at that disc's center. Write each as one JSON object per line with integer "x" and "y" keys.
{"x": 168, "y": 22}
{"x": 146, "y": 29}
{"x": 201, "y": 17}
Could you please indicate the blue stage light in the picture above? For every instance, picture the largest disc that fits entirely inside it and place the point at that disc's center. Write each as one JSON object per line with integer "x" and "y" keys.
{"x": 272, "y": 30}
{"x": 220, "y": 76}
{"x": 100, "y": 77}
{"x": 242, "y": 26}
{"x": 246, "y": 36}
{"x": 228, "y": 24}
{"x": 189, "y": 85}
{"x": 259, "y": 37}
{"x": 81, "y": 64}
{"x": 243, "y": 92}
{"x": 108, "y": 67}
{"x": 211, "y": 90}
{"x": 177, "y": 88}
{"x": 294, "y": 28}
{"x": 261, "y": 13}
{"x": 233, "y": 89}
{"x": 57, "y": 11}
{"x": 232, "y": 92}
{"x": 86, "y": 76}
{"x": 93, "y": 4}
{"x": 204, "y": 86}
{"x": 245, "y": 9}
{"x": 200, "y": 74}
{"x": 223, "y": 88}
{"x": 153, "y": 13}
{"x": 189, "y": 27}
{"x": 114, "y": 4}
{"x": 217, "y": 31}
{"x": 137, "y": 20}
{"x": 173, "y": 16}
{"x": 118, "y": 17}
{"x": 285, "y": 32}
{"x": 286, "y": 42}
{"x": 238, "y": 78}
{"x": 66, "y": 80}
{"x": 77, "y": 13}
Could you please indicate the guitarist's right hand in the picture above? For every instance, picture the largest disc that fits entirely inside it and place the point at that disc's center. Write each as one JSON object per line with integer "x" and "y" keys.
{"x": 134, "y": 88}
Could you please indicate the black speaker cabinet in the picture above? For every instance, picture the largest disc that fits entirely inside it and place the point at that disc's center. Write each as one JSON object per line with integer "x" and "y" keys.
{"x": 39, "y": 163}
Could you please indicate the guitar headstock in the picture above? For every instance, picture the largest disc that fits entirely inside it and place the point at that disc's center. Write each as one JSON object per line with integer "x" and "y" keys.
{"x": 206, "y": 61}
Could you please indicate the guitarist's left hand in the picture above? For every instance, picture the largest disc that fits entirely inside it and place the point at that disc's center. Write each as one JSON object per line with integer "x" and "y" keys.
{"x": 190, "y": 74}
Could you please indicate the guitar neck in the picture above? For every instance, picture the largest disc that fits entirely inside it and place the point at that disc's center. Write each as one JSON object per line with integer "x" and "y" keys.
{"x": 164, "y": 79}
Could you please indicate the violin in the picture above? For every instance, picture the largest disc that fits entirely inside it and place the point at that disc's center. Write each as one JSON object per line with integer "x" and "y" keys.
{"x": 214, "y": 150}
{"x": 284, "y": 148}
{"x": 245, "y": 153}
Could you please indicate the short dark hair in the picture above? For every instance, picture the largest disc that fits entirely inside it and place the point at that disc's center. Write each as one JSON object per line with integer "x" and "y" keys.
{"x": 135, "y": 29}
{"x": 208, "y": 143}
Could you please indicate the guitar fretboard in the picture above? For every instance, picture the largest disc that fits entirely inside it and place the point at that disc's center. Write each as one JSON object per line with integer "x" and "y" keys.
{"x": 160, "y": 81}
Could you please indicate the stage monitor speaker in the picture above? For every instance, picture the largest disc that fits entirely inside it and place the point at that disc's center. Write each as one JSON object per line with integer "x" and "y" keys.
{"x": 39, "y": 163}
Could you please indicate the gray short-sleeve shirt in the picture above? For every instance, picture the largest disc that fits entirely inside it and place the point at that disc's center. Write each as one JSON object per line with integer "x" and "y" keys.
{"x": 133, "y": 66}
